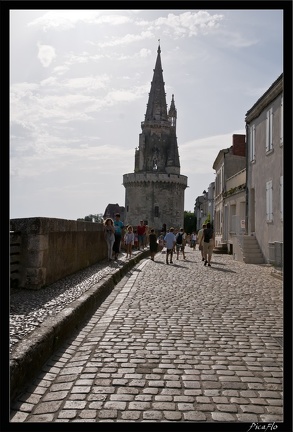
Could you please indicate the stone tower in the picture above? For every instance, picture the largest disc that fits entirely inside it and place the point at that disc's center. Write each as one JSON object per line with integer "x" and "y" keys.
{"x": 155, "y": 191}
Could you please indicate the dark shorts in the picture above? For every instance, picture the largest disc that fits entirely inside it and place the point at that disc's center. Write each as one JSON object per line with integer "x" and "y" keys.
{"x": 141, "y": 238}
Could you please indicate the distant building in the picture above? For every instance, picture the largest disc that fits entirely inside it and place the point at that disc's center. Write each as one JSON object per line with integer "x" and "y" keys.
{"x": 112, "y": 209}
{"x": 204, "y": 207}
{"x": 155, "y": 191}
{"x": 264, "y": 123}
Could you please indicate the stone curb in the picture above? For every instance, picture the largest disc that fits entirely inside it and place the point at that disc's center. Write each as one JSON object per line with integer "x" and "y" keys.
{"x": 35, "y": 350}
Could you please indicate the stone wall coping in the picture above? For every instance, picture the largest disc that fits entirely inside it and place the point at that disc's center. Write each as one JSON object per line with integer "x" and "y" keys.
{"x": 44, "y": 225}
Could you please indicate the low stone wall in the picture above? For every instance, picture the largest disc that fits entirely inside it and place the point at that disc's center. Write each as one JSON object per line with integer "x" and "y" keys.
{"x": 50, "y": 249}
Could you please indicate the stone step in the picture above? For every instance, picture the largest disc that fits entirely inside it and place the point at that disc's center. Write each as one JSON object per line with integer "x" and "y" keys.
{"x": 253, "y": 260}
{"x": 251, "y": 251}
{"x": 250, "y": 247}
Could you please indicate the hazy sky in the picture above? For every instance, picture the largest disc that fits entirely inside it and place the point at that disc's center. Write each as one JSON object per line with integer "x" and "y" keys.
{"x": 79, "y": 84}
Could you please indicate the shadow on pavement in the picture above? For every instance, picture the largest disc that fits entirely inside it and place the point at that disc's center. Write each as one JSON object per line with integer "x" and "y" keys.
{"x": 221, "y": 269}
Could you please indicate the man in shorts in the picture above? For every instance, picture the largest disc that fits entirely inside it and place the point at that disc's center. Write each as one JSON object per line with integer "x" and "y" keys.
{"x": 180, "y": 243}
{"x": 170, "y": 241}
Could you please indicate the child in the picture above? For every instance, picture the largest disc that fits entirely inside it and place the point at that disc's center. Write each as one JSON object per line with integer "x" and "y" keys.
{"x": 129, "y": 241}
{"x": 153, "y": 243}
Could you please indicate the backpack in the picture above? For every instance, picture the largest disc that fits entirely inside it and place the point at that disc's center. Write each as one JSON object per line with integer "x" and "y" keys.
{"x": 179, "y": 238}
{"x": 208, "y": 234}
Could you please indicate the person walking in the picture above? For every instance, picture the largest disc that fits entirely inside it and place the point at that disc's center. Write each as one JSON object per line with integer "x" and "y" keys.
{"x": 164, "y": 229}
{"x": 208, "y": 244}
{"x": 109, "y": 233}
{"x": 153, "y": 243}
{"x": 141, "y": 234}
{"x": 193, "y": 240}
{"x": 161, "y": 240}
{"x": 199, "y": 237}
{"x": 118, "y": 225}
{"x": 129, "y": 241}
{"x": 146, "y": 236}
{"x": 170, "y": 242}
{"x": 180, "y": 243}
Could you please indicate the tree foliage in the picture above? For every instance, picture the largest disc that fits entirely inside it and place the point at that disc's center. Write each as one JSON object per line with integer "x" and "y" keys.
{"x": 97, "y": 218}
{"x": 189, "y": 222}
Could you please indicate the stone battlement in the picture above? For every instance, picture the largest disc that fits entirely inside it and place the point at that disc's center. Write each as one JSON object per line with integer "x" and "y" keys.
{"x": 154, "y": 177}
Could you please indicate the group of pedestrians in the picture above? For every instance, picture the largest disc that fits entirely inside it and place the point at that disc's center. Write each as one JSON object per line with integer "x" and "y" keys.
{"x": 140, "y": 237}
{"x": 173, "y": 241}
{"x": 177, "y": 241}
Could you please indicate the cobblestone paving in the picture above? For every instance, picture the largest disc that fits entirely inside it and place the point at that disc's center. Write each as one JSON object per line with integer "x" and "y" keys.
{"x": 176, "y": 343}
{"x": 30, "y": 308}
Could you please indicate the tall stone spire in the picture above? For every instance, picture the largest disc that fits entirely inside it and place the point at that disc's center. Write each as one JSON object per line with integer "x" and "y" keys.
{"x": 158, "y": 150}
{"x": 157, "y": 107}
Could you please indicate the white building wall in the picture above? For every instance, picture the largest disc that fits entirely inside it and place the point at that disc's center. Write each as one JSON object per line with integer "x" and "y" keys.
{"x": 267, "y": 166}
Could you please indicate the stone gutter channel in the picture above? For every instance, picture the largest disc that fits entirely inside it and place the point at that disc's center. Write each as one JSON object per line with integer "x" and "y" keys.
{"x": 71, "y": 301}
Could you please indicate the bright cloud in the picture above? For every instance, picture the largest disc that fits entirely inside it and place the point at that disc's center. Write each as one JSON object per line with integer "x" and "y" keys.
{"x": 129, "y": 38}
{"x": 67, "y": 19}
{"x": 46, "y": 54}
{"x": 187, "y": 23}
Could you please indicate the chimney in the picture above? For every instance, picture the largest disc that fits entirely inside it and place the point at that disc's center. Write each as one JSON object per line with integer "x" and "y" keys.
{"x": 239, "y": 145}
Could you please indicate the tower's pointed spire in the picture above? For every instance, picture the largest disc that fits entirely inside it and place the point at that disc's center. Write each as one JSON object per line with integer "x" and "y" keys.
{"x": 157, "y": 107}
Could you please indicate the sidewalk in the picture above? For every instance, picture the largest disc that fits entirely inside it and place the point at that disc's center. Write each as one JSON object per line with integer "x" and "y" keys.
{"x": 176, "y": 343}
{"x": 40, "y": 320}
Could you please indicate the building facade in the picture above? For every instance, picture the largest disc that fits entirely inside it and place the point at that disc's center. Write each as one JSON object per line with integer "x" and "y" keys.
{"x": 204, "y": 207}
{"x": 154, "y": 192}
{"x": 234, "y": 202}
{"x": 112, "y": 209}
{"x": 264, "y": 125}
{"x": 229, "y": 162}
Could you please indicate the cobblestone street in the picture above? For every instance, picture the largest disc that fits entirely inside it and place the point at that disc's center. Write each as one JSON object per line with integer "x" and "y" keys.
{"x": 171, "y": 343}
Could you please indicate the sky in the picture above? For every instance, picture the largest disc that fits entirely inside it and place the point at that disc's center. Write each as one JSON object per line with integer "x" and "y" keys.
{"x": 79, "y": 85}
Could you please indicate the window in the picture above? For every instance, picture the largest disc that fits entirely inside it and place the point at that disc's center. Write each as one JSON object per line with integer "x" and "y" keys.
{"x": 269, "y": 200}
{"x": 252, "y": 143}
{"x": 156, "y": 211}
{"x": 281, "y": 197}
{"x": 269, "y": 130}
{"x": 281, "y": 122}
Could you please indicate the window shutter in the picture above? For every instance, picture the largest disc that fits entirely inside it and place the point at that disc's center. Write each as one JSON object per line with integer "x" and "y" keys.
{"x": 267, "y": 131}
{"x": 281, "y": 122}
{"x": 253, "y": 142}
{"x": 271, "y": 129}
{"x": 281, "y": 197}
{"x": 269, "y": 203}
